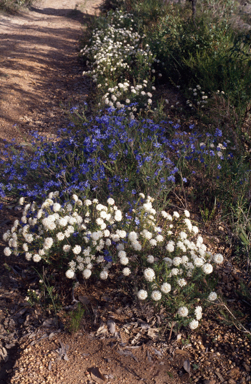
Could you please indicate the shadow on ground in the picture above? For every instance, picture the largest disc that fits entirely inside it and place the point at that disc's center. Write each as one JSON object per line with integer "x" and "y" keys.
{"x": 39, "y": 72}
{"x": 74, "y": 14}
{"x": 36, "y": 58}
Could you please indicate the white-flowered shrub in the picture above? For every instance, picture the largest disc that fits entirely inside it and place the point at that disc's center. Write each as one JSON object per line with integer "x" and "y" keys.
{"x": 198, "y": 98}
{"x": 161, "y": 254}
{"x": 120, "y": 62}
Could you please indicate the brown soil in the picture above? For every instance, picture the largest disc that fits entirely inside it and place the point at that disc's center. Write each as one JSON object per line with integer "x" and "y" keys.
{"x": 117, "y": 341}
{"x": 39, "y": 70}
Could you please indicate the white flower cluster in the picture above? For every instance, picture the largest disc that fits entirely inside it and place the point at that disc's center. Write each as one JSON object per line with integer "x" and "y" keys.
{"x": 184, "y": 255}
{"x": 199, "y": 97}
{"x": 87, "y": 233}
{"x": 53, "y": 227}
{"x": 129, "y": 93}
{"x": 112, "y": 55}
{"x": 193, "y": 324}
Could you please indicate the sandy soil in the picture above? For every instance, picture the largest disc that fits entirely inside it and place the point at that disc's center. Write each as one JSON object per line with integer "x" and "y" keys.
{"x": 39, "y": 71}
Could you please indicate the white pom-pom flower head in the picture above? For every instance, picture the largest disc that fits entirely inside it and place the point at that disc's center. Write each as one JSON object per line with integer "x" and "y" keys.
{"x": 69, "y": 274}
{"x": 104, "y": 275}
{"x": 212, "y": 296}
{"x": 56, "y": 207}
{"x": 150, "y": 259}
{"x": 156, "y": 295}
{"x": 7, "y": 251}
{"x": 183, "y": 311}
{"x": 87, "y": 273}
{"x": 170, "y": 247}
{"x": 149, "y": 274}
{"x": 207, "y": 268}
{"x": 198, "y": 313}
{"x": 218, "y": 258}
{"x": 165, "y": 242}
{"x": 165, "y": 288}
{"x": 193, "y": 324}
{"x": 126, "y": 271}
{"x": 142, "y": 294}
{"x": 187, "y": 213}
{"x": 36, "y": 258}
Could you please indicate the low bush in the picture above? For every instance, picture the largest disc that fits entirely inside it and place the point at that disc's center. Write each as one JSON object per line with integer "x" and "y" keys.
{"x": 162, "y": 256}
{"x": 113, "y": 155}
{"x": 119, "y": 62}
{"x": 210, "y": 54}
{"x": 11, "y": 6}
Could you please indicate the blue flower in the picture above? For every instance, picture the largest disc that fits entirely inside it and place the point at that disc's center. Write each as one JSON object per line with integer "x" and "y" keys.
{"x": 171, "y": 178}
{"x": 107, "y": 256}
{"x": 218, "y": 132}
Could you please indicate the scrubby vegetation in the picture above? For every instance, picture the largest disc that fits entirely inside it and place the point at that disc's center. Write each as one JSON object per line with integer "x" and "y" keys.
{"x": 137, "y": 147}
{"x": 11, "y": 6}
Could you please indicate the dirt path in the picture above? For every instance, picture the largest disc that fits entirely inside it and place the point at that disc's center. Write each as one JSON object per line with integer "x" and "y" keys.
{"x": 38, "y": 66}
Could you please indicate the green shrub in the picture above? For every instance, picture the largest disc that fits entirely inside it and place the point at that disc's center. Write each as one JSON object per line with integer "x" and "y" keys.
{"x": 13, "y": 5}
{"x": 207, "y": 53}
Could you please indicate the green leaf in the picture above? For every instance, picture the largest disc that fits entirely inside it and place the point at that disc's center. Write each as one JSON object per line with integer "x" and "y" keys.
{"x": 244, "y": 238}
